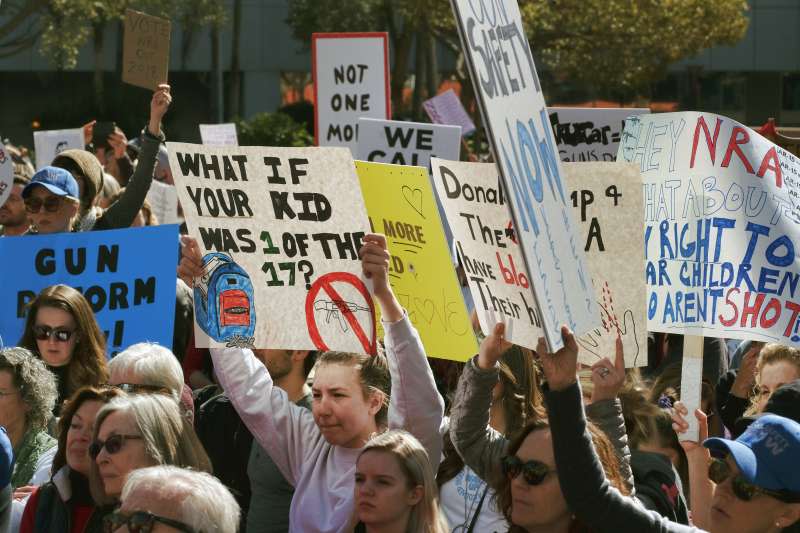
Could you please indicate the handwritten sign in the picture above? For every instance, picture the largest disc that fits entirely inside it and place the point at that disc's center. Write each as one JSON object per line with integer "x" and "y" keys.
{"x": 406, "y": 143}
{"x": 219, "y": 134}
{"x": 280, "y": 229}
{"x": 446, "y": 108}
{"x": 145, "y": 50}
{"x": 351, "y": 80}
{"x": 127, "y": 276}
{"x": 401, "y": 205}
{"x": 721, "y": 214}
{"x": 49, "y": 144}
{"x": 6, "y": 175}
{"x": 514, "y": 112}
{"x": 163, "y": 200}
{"x": 477, "y": 211}
{"x": 590, "y": 133}
{"x": 607, "y": 200}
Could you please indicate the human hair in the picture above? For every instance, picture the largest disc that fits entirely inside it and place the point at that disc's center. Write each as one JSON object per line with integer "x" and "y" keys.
{"x": 36, "y": 384}
{"x": 668, "y": 384}
{"x": 373, "y": 374}
{"x": 168, "y": 437}
{"x": 71, "y": 406}
{"x": 309, "y": 362}
{"x": 416, "y": 466}
{"x": 148, "y": 215}
{"x": 202, "y": 501}
{"x": 772, "y": 353}
{"x": 88, "y": 363}
{"x": 605, "y": 452}
{"x": 152, "y": 364}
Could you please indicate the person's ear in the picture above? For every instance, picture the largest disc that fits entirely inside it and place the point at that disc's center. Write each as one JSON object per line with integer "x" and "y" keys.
{"x": 415, "y": 495}
{"x": 375, "y": 401}
{"x": 790, "y": 515}
{"x": 298, "y": 355}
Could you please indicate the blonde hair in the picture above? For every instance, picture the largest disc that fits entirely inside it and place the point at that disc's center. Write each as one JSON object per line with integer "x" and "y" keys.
{"x": 771, "y": 354}
{"x": 425, "y": 516}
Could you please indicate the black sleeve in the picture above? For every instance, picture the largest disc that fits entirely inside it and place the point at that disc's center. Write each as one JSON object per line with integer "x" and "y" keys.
{"x": 729, "y": 407}
{"x": 583, "y": 483}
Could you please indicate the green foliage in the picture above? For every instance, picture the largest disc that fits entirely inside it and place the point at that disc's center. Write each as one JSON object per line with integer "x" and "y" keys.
{"x": 273, "y": 129}
{"x": 310, "y": 16}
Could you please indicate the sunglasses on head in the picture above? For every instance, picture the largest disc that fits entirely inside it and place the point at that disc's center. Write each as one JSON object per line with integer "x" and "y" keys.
{"x": 140, "y": 522}
{"x": 51, "y": 204}
{"x": 719, "y": 470}
{"x": 42, "y": 333}
{"x": 133, "y": 388}
{"x": 533, "y": 472}
{"x": 112, "y": 445}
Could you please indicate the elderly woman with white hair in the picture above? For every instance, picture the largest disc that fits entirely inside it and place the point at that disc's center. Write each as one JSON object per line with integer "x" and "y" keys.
{"x": 185, "y": 500}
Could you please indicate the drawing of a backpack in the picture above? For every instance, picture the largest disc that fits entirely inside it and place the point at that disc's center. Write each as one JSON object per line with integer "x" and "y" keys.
{"x": 224, "y": 303}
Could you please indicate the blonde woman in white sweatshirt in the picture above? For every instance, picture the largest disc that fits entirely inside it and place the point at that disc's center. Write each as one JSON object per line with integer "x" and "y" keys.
{"x": 317, "y": 451}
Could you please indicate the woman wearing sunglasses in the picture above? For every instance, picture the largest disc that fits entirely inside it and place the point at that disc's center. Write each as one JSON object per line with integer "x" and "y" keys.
{"x": 759, "y": 490}
{"x": 61, "y": 329}
{"x": 64, "y": 504}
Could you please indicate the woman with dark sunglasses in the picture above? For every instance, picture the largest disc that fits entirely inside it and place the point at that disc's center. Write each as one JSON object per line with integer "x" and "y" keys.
{"x": 64, "y": 504}
{"x": 61, "y": 329}
{"x": 760, "y": 492}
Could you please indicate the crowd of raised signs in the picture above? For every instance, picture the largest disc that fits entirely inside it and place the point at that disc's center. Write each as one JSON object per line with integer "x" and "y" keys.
{"x": 181, "y": 438}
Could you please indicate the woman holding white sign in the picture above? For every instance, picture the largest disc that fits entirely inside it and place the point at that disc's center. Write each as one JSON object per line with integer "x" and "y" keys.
{"x": 317, "y": 451}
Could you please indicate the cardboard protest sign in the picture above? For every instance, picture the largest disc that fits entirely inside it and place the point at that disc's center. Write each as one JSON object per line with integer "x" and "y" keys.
{"x": 590, "y": 133}
{"x": 477, "y": 210}
{"x": 145, "y": 50}
{"x": 280, "y": 230}
{"x": 607, "y": 202}
{"x": 446, "y": 108}
{"x": 48, "y": 144}
{"x": 219, "y": 134}
{"x": 721, "y": 214}
{"x": 406, "y": 143}
{"x": 351, "y": 80}
{"x": 163, "y": 200}
{"x": 127, "y": 276}
{"x": 401, "y": 205}
{"x": 516, "y": 119}
{"x": 6, "y": 175}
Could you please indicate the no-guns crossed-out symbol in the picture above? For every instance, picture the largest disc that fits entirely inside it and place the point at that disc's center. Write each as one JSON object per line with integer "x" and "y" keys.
{"x": 335, "y": 307}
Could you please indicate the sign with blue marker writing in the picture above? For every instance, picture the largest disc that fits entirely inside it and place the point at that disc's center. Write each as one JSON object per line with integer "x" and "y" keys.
{"x": 516, "y": 118}
{"x": 721, "y": 215}
{"x": 127, "y": 276}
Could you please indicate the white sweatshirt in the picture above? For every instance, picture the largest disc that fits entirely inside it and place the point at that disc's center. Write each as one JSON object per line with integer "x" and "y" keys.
{"x": 324, "y": 475}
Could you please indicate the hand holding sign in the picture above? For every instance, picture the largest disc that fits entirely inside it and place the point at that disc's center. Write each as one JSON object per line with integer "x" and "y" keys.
{"x": 560, "y": 368}
{"x": 493, "y": 347}
{"x": 159, "y": 105}
{"x": 375, "y": 263}
{"x": 608, "y": 377}
{"x": 191, "y": 264}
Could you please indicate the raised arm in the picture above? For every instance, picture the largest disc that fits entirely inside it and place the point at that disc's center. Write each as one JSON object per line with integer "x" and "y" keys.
{"x": 480, "y": 446}
{"x": 415, "y": 404}
{"x": 701, "y": 488}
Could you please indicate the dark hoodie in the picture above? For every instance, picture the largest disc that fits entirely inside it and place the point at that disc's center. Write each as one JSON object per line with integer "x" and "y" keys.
{"x": 658, "y": 486}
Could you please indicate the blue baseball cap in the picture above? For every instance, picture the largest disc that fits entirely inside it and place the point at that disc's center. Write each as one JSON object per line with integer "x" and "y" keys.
{"x": 56, "y": 180}
{"x": 766, "y": 453}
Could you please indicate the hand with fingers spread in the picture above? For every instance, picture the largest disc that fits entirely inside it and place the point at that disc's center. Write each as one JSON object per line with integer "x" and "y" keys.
{"x": 375, "y": 258}
{"x": 680, "y": 425}
{"x": 608, "y": 377}
{"x": 191, "y": 264}
{"x": 159, "y": 105}
{"x": 746, "y": 376}
{"x": 493, "y": 347}
{"x": 560, "y": 368}
{"x": 118, "y": 142}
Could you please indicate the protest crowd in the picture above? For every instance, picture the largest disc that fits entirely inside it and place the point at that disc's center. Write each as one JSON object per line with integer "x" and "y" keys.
{"x": 172, "y": 377}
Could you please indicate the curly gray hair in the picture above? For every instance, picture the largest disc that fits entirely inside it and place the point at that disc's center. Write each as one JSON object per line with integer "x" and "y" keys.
{"x": 36, "y": 384}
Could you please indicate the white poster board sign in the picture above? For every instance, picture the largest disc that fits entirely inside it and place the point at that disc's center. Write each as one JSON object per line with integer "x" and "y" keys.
{"x": 280, "y": 230}
{"x": 49, "y": 144}
{"x": 590, "y": 133}
{"x": 607, "y": 203}
{"x": 477, "y": 212}
{"x": 351, "y": 80}
{"x": 721, "y": 227}
{"x": 515, "y": 115}
{"x": 6, "y": 175}
{"x": 446, "y": 108}
{"x": 163, "y": 200}
{"x": 219, "y": 134}
{"x": 406, "y": 143}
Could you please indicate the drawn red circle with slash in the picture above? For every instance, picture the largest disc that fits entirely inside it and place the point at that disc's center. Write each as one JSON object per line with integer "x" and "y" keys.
{"x": 325, "y": 283}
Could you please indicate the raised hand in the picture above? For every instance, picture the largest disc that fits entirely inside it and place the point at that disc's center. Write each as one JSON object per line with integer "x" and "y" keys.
{"x": 493, "y": 346}
{"x": 609, "y": 377}
{"x": 560, "y": 368}
{"x": 191, "y": 264}
{"x": 159, "y": 105}
{"x": 118, "y": 142}
{"x": 746, "y": 376}
{"x": 88, "y": 132}
{"x": 680, "y": 425}
{"x": 375, "y": 258}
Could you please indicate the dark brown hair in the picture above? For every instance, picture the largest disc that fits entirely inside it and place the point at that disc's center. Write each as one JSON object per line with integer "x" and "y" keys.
{"x": 373, "y": 374}
{"x": 88, "y": 363}
{"x": 71, "y": 406}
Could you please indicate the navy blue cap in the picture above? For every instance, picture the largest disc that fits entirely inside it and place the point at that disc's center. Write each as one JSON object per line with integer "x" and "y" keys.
{"x": 766, "y": 453}
{"x": 56, "y": 180}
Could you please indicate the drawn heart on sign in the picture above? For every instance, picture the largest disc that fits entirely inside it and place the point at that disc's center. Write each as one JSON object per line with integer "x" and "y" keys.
{"x": 426, "y": 308}
{"x": 413, "y": 197}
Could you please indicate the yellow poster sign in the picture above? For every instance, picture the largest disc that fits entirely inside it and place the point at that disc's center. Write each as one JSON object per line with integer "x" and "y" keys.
{"x": 401, "y": 205}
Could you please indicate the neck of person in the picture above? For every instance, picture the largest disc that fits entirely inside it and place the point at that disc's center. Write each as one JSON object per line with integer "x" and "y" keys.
{"x": 561, "y": 525}
{"x": 294, "y": 383}
{"x": 497, "y": 416}
{"x": 400, "y": 525}
{"x": 15, "y": 231}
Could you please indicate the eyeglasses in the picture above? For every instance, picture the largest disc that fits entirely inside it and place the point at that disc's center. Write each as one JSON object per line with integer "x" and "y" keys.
{"x": 132, "y": 388}
{"x": 719, "y": 470}
{"x": 140, "y": 522}
{"x": 112, "y": 445}
{"x": 42, "y": 333}
{"x": 52, "y": 204}
{"x": 533, "y": 472}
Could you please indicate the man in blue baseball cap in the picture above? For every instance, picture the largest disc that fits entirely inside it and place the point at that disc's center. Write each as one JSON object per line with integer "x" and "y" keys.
{"x": 52, "y": 200}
